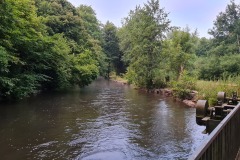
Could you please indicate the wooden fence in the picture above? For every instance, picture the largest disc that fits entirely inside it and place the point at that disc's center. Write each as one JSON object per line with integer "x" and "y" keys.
{"x": 224, "y": 141}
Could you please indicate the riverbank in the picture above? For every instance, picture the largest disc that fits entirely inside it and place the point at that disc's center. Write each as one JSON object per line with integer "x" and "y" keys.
{"x": 168, "y": 92}
{"x": 206, "y": 90}
{"x": 119, "y": 80}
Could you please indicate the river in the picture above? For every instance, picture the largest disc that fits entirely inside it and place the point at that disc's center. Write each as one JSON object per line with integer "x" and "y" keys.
{"x": 104, "y": 121}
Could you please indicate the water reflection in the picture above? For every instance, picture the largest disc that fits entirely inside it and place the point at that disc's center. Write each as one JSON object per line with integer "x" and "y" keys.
{"x": 104, "y": 121}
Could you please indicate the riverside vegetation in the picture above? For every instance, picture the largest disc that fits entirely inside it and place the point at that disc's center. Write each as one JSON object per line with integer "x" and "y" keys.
{"x": 52, "y": 45}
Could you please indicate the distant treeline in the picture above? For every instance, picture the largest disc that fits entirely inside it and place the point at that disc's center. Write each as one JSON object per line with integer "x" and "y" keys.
{"x": 52, "y": 45}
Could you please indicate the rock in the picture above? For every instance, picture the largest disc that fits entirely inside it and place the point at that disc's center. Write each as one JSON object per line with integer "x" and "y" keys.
{"x": 168, "y": 92}
{"x": 157, "y": 91}
{"x": 193, "y": 95}
{"x": 189, "y": 103}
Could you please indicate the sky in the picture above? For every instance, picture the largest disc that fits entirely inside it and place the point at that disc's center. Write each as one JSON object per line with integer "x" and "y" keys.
{"x": 196, "y": 14}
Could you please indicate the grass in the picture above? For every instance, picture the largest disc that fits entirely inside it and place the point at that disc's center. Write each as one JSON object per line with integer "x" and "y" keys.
{"x": 209, "y": 89}
{"x": 120, "y": 79}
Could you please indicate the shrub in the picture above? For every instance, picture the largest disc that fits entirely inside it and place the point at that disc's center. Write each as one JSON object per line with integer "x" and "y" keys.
{"x": 183, "y": 87}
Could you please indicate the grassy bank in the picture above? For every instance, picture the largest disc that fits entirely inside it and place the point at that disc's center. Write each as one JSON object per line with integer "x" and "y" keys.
{"x": 208, "y": 89}
{"x": 119, "y": 79}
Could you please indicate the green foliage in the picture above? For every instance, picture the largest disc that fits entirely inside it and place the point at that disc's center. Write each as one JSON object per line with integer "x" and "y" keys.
{"x": 219, "y": 58}
{"x": 214, "y": 67}
{"x": 90, "y": 21}
{"x": 21, "y": 57}
{"x": 160, "y": 82}
{"x": 203, "y": 46}
{"x": 60, "y": 17}
{"x": 141, "y": 40}
{"x": 85, "y": 68}
{"x": 48, "y": 47}
{"x": 81, "y": 29}
{"x": 183, "y": 87}
{"x": 94, "y": 40}
{"x": 226, "y": 30}
{"x": 50, "y": 44}
{"x": 208, "y": 89}
{"x": 54, "y": 7}
{"x": 179, "y": 51}
{"x": 58, "y": 64}
{"x": 112, "y": 50}
{"x": 6, "y": 82}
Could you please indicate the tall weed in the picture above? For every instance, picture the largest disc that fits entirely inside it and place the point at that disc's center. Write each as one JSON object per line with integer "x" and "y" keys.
{"x": 208, "y": 89}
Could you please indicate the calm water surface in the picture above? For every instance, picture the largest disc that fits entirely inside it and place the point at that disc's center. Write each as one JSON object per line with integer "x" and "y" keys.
{"x": 104, "y": 121}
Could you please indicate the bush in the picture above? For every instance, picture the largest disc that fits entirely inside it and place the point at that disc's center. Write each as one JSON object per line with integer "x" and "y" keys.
{"x": 159, "y": 83}
{"x": 183, "y": 87}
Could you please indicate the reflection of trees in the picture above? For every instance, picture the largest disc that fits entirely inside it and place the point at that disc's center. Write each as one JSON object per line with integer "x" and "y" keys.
{"x": 102, "y": 117}
{"x": 161, "y": 127}
{"x": 168, "y": 131}
{"x": 42, "y": 125}
{"x": 141, "y": 109}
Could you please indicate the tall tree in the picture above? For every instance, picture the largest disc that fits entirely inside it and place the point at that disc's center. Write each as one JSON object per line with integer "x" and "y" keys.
{"x": 90, "y": 21}
{"x": 36, "y": 48}
{"x": 180, "y": 50}
{"x": 226, "y": 30}
{"x": 21, "y": 35}
{"x": 111, "y": 49}
{"x": 61, "y": 17}
{"x": 95, "y": 38}
{"x": 141, "y": 41}
{"x": 224, "y": 48}
{"x": 81, "y": 29}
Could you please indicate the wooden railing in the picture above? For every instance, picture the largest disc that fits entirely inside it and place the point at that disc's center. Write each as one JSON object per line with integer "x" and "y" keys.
{"x": 224, "y": 141}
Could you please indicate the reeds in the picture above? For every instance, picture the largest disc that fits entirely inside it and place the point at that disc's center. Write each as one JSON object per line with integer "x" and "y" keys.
{"x": 208, "y": 89}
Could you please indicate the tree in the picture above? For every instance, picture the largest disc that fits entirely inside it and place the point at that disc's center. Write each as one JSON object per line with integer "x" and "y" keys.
{"x": 36, "y": 51}
{"x": 226, "y": 30}
{"x": 180, "y": 50}
{"x": 220, "y": 60}
{"x": 90, "y": 21}
{"x": 21, "y": 32}
{"x": 61, "y": 17}
{"x": 141, "y": 41}
{"x": 85, "y": 69}
{"x": 203, "y": 47}
{"x": 111, "y": 49}
{"x": 81, "y": 29}
{"x": 54, "y": 7}
{"x": 7, "y": 83}
{"x": 94, "y": 39}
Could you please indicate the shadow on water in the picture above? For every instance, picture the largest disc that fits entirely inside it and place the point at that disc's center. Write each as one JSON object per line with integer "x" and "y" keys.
{"x": 105, "y": 121}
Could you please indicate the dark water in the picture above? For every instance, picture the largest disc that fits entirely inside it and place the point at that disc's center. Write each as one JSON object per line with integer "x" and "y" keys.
{"x": 105, "y": 121}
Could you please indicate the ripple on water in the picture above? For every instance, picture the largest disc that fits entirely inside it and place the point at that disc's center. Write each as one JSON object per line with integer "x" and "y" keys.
{"x": 104, "y": 155}
{"x": 103, "y": 121}
{"x": 44, "y": 145}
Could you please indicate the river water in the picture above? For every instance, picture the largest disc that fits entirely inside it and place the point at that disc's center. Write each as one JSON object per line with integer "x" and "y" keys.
{"x": 104, "y": 121}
